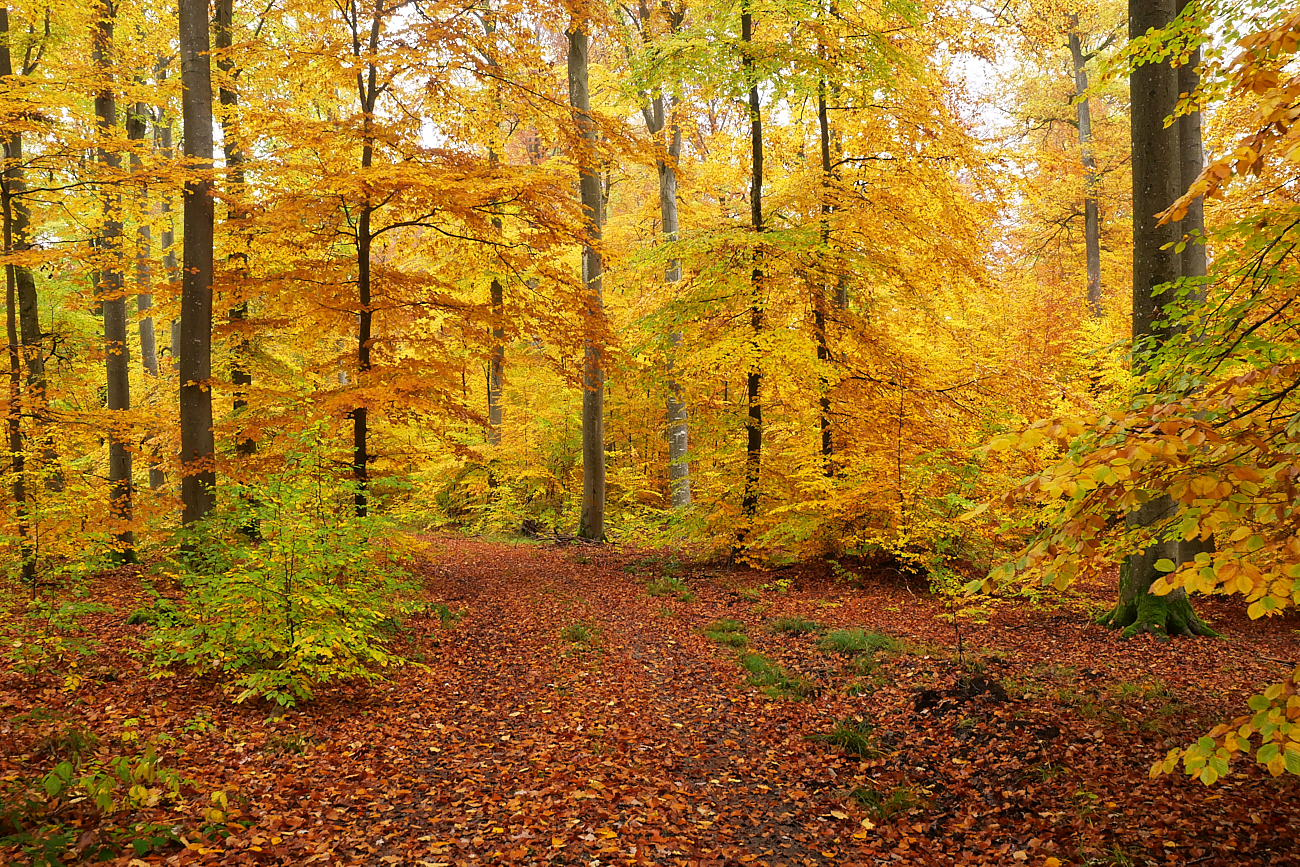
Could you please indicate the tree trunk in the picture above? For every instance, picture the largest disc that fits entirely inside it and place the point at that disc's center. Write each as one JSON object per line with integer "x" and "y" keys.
{"x": 167, "y": 236}
{"x": 241, "y": 376}
{"x": 135, "y": 132}
{"x": 1091, "y": 214}
{"x": 497, "y": 360}
{"x": 13, "y": 418}
{"x": 112, "y": 295}
{"x": 368, "y": 93}
{"x": 822, "y": 288}
{"x": 592, "y": 522}
{"x": 198, "y": 458}
{"x": 754, "y": 380}
{"x": 1157, "y": 180}
{"x": 14, "y": 180}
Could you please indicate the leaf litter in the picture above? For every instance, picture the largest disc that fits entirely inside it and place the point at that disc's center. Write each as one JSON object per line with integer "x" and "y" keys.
{"x": 1023, "y": 739}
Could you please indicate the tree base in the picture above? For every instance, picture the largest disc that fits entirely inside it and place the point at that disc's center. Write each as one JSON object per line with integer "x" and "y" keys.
{"x": 1139, "y": 611}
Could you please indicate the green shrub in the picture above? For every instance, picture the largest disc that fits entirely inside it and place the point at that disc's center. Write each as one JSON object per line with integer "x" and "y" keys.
{"x": 793, "y": 625}
{"x": 774, "y": 680}
{"x": 301, "y": 600}
{"x": 854, "y": 641}
{"x": 730, "y": 633}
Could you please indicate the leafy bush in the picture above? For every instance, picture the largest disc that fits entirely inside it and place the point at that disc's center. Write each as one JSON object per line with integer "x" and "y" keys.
{"x": 48, "y": 816}
{"x": 48, "y": 635}
{"x": 301, "y": 600}
{"x": 854, "y": 641}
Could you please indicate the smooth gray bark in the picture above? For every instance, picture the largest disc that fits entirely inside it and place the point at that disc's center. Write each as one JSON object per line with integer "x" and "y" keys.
{"x": 754, "y": 379}
{"x": 1157, "y": 182}
{"x": 198, "y": 459}
{"x": 111, "y": 292}
{"x": 1091, "y": 212}
{"x": 241, "y": 375}
{"x": 591, "y": 525}
{"x": 136, "y": 127}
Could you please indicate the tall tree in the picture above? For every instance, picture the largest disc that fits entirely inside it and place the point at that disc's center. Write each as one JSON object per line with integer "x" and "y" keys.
{"x": 660, "y": 113}
{"x": 241, "y": 376}
{"x": 136, "y": 129}
{"x": 754, "y": 378}
{"x": 591, "y": 524}
{"x": 111, "y": 289}
{"x": 19, "y": 221}
{"x": 1157, "y": 265}
{"x": 198, "y": 458}
{"x": 1091, "y": 211}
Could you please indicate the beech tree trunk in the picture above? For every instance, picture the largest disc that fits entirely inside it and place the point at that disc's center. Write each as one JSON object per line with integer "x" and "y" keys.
{"x": 497, "y": 359}
{"x": 241, "y": 376}
{"x": 111, "y": 292}
{"x": 592, "y": 522}
{"x": 823, "y": 287}
{"x": 136, "y": 128}
{"x": 754, "y": 379}
{"x": 13, "y": 418}
{"x": 18, "y": 224}
{"x": 1091, "y": 214}
{"x": 368, "y": 93}
{"x": 162, "y": 129}
{"x": 1157, "y": 182}
{"x": 198, "y": 459}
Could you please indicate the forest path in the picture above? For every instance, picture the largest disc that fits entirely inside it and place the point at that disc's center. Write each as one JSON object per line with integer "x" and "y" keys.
{"x": 513, "y": 743}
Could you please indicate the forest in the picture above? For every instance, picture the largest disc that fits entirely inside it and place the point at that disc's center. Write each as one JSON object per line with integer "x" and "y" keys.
{"x": 691, "y": 432}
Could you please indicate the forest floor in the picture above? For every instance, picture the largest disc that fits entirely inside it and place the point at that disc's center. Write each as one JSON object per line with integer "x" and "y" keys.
{"x": 569, "y": 717}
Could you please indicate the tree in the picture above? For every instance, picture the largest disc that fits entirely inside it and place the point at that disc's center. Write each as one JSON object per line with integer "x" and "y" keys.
{"x": 111, "y": 290}
{"x": 592, "y": 522}
{"x": 754, "y": 377}
{"x": 198, "y": 450}
{"x": 1159, "y": 153}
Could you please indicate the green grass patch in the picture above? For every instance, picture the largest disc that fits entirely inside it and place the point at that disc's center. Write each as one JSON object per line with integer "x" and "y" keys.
{"x": 774, "y": 680}
{"x": 856, "y": 736}
{"x": 881, "y": 806}
{"x": 729, "y": 633}
{"x": 852, "y": 642}
{"x": 670, "y": 585}
{"x": 794, "y": 625}
{"x": 581, "y": 635}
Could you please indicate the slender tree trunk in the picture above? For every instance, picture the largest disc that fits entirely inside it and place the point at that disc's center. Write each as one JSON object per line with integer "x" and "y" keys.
{"x": 14, "y": 180}
{"x": 497, "y": 360}
{"x": 135, "y": 132}
{"x": 754, "y": 380}
{"x": 112, "y": 295}
{"x": 198, "y": 451}
{"x": 497, "y": 354}
{"x": 592, "y": 522}
{"x": 368, "y": 93}
{"x": 1157, "y": 180}
{"x": 241, "y": 376}
{"x": 1091, "y": 214}
{"x": 823, "y": 288}
{"x": 167, "y": 236}
{"x": 13, "y": 418}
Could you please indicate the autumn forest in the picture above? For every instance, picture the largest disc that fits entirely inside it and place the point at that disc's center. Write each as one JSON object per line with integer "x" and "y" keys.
{"x": 682, "y": 432}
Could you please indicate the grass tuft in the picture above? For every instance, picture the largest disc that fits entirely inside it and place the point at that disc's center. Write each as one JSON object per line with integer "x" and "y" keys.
{"x": 794, "y": 625}
{"x": 729, "y": 633}
{"x": 851, "y": 642}
{"x": 856, "y": 736}
{"x": 774, "y": 680}
{"x": 670, "y": 585}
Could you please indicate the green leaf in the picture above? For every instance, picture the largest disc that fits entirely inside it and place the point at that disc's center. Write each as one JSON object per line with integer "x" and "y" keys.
{"x": 1258, "y": 703}
{"x": 1164, "y": 564}
{"x": 1267, "y": 753}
